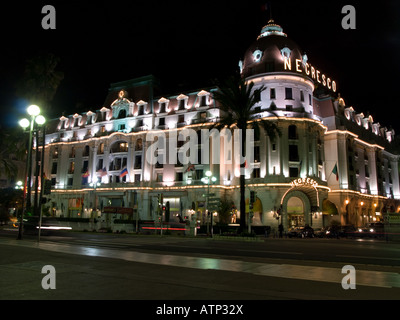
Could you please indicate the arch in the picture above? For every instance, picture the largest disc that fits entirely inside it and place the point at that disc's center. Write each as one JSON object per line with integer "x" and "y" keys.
{"x": 122, "y": 114}
{"x": 257, "y": 211}
{"x": 119, "y": 146}
{"x": 304, "y": 198}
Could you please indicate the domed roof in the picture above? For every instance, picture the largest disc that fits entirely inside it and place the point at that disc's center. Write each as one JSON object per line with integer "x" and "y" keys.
{"x": 268, "y": 52}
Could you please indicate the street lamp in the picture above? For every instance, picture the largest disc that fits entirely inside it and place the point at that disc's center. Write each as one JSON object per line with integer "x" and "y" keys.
{"x": 34, "y": 112}
{"x": 207, "y": 180}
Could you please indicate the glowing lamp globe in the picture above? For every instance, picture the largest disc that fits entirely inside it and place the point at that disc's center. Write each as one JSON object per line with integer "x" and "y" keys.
{"x": 33, "y": 110}
{"x": 24, "y": 123}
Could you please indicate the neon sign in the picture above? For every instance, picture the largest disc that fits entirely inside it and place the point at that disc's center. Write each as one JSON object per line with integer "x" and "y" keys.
{"x": 304, "y": 182}
{"x": 302, "y": 66}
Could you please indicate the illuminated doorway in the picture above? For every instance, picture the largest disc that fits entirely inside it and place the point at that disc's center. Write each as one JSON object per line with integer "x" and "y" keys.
{"x": 295, "y": 210}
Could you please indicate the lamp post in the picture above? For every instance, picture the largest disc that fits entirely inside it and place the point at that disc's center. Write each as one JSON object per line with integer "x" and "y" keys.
{"x": 34, "y": 112}
{"x": 208, "y": 179}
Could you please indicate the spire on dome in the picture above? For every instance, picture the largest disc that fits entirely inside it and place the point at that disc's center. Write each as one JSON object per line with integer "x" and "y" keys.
{"x": 271, "y": 29}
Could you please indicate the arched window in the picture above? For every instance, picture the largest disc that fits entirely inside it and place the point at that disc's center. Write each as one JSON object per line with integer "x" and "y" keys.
{"x": 122, "y": 114}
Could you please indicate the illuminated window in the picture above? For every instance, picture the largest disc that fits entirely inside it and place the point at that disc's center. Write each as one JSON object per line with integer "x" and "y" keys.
{"x": 71, "y": 167}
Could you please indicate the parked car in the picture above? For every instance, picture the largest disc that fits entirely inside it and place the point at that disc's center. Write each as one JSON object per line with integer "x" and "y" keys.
{"x": 347, "y": 231}
{"x": 377, "y": 229}
{"x": 294, "y": 232}
{"x": 320, "y": 232}
{"x": 301, "y": 232}
{"x": 333, "y": 232}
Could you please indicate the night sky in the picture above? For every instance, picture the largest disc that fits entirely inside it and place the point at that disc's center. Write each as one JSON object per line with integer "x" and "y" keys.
{"x": 188, "y": 45}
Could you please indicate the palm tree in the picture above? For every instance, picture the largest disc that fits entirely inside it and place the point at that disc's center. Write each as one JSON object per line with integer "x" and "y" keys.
{"x": 40, "y": 80}
{"x": 12, "y": 149}
{"x": 236, "y": 100}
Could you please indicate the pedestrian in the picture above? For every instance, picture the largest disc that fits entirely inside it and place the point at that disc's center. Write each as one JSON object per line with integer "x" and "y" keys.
{"x": 281, "y": 231}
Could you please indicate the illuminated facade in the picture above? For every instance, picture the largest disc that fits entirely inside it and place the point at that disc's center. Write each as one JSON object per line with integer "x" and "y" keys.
{"x": 329, "y": 162}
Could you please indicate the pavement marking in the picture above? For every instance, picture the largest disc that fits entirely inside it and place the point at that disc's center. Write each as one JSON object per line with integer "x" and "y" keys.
{"x": 367, "y": 257}
{"x": 313, "y": 273}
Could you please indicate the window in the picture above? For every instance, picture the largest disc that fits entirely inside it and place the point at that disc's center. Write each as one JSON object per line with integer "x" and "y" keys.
{"x": 122, "y": 114}
{"x": 293, "y": 172}
{"x": 274, "y": 147}
{"x": 161, "y": 122}
{"x": 288, "y": 94}
{"x": 182, "y": 104}
{"x": 203, "y": 101}
{"x": 86, "y": 151}
{"x": 137, "y": 177}
{"x": 179, "y": 176}
{"x": 85, "y": 166}
{"x": 289, "y": 107}
{"x": 292, "y": 132}
{"x": 256, "y": 173}
{"x": 71, "y": 168}
{"x": 257, "y": 154}
{"x": 272, "y": 93}
{"x": 138, "y": 162}
{"x": 70, "y": 182}
{"x": 162, "y": 107}
{"x": 199, "y": 174}
{"x": 54, "y": 168}
{"x": 301, "y": 96}
{"x": 121, "y": 127}
{"x": 99, "y": 164}
{"x": 139, "y": 144}
{"x": 141, "y": 110}
{"x": 100, "y": 150}
{"x": 309, "y": 100}
{"x": 293, "y": 153}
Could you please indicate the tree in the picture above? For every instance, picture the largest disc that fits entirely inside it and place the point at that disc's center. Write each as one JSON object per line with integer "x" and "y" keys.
{"x": 12, "y": 149}
{"x": 237, "y": 99}
{"x": 40, "y": 80}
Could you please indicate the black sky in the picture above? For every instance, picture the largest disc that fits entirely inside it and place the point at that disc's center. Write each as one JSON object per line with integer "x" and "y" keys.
{"x": 188, "y": 44}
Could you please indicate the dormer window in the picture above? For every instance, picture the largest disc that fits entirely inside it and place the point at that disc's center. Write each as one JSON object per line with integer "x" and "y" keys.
{"x": 163, "y": 103}
{"x": 141, "y": 107}
{"x": 89, "y": 119}
{"x": 203, "y": 98}
{"x": 182, "y": 101}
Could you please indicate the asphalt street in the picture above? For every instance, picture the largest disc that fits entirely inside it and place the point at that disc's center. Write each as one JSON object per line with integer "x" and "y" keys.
{"x": 151, "y": 268}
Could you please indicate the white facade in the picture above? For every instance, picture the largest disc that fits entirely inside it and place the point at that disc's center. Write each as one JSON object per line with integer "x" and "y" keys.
{"x": 293, "y": 174}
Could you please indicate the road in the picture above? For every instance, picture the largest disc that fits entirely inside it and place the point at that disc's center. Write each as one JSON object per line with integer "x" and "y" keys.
{"x": 104, "y": 266}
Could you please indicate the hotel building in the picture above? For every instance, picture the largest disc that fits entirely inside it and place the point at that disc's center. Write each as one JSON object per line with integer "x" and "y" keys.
{"x": 330, "y": 162}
